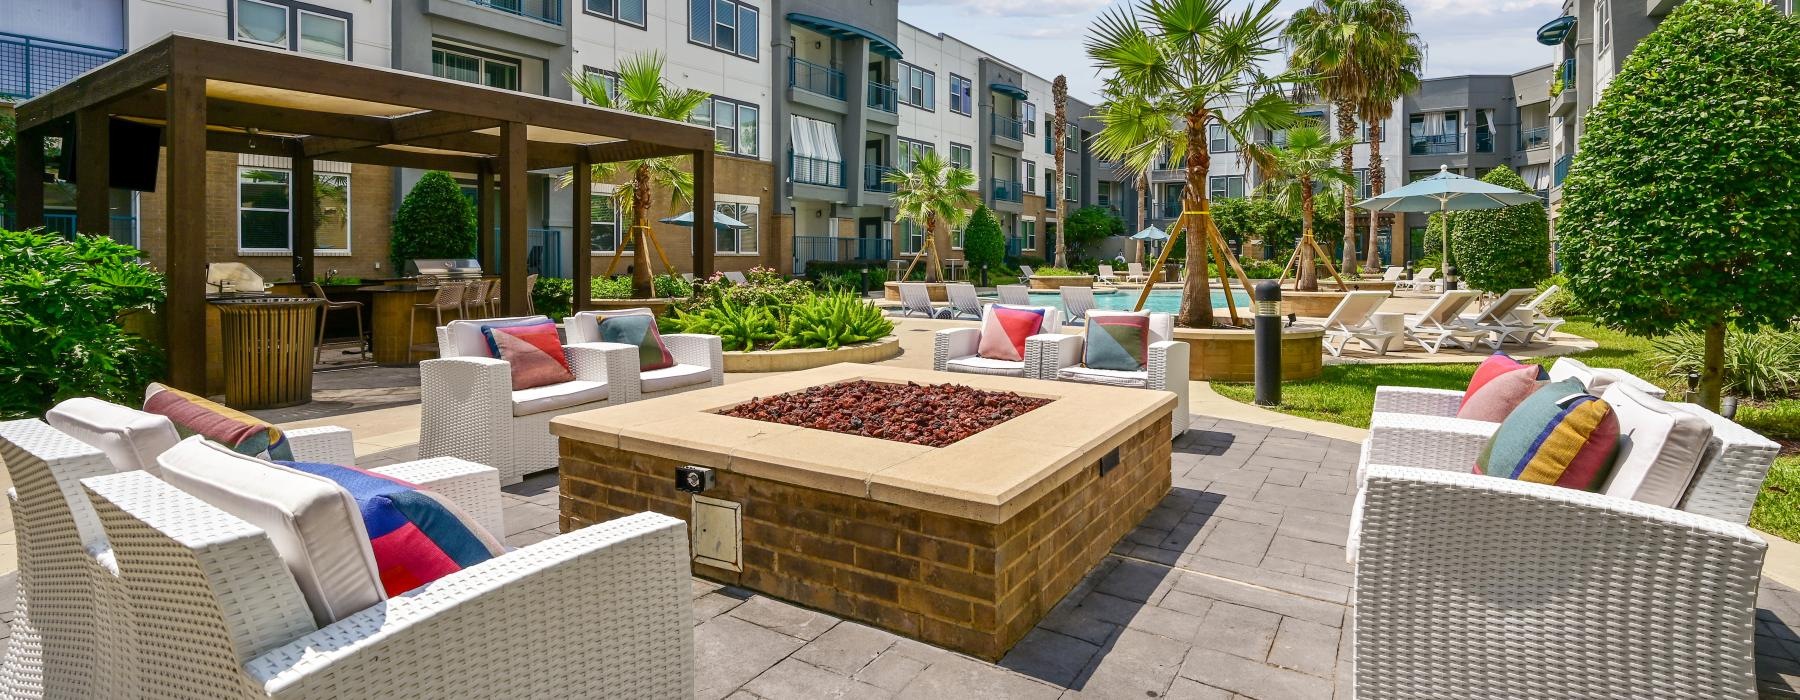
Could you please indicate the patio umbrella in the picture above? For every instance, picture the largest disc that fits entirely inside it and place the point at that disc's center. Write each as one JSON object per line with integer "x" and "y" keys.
{"x": 1150, "y": 233}
{"x": 719, "y": 221}
{"x": 1447, "y": 192}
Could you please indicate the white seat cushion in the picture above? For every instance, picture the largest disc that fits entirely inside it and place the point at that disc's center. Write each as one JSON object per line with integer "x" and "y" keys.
{"x": 1660, "y": 447}
{"x": 550, "y": 397}
{"x": 1109, "y": 377}
{"x": 130, "y": 438}
{"x": 975, "y": 364}
{"x": 467, "y": 340}
{"x": 673, "y": 377}
{"x": 314, "y": 523}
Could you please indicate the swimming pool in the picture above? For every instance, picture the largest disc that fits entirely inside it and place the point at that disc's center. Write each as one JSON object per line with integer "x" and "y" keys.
{"x": 1161, "y": 300}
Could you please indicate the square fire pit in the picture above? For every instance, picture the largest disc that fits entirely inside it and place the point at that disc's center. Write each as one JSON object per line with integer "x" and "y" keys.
{"x": 965, "y": 546}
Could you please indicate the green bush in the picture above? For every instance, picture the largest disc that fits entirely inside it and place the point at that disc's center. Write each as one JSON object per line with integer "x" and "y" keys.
{"x": 983, "y": 242}
{"x": 1563, "y": 302}
{"x": 554, "y": 297}
{"x": 435, "y": 221}
{"x": 617, "y": 287}
{"x": 739, "y": 327}
{"x": 1501, "y": 249}
{"x": 1058, "y": 272}
{"x": 763, "y": 287}
{"x": 60, "y": 302}
{"x": 1759, "y": 364}
{"x": 1089, "y": 225}
{"x": 833, "y": 320}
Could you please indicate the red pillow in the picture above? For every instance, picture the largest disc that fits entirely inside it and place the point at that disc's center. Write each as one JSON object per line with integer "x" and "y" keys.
{"x": 1004, "y": 330}
{"x": 534, "y": 352}
{"x": 1497, "y": 364}
{"x": 1497, "y": 398}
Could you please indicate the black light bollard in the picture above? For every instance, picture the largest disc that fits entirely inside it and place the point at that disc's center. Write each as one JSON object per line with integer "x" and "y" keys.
{"x": 1268, "y": 343}
{"x": 984, "y": 280}
{"x": 865, "y": 281}
{"x": 1452, "y": 279}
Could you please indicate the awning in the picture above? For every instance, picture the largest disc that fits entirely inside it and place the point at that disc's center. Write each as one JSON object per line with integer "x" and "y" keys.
{"x": 840, "y": 30}
{"x": 1010, "y": 90}
{"x": 1553, "y": 32}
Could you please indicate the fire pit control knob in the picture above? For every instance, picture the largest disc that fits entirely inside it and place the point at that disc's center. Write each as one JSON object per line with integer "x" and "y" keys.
{"x": 693, "y": 479}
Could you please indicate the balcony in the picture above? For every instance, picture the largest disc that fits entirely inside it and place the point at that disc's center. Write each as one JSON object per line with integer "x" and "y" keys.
{"x": 1562, "y": 90}
{"x": 1534, "y": 138}
{"x": 808, "y": 249}
{"x": 1562, "y": 170}
{"x": 816, "y": 79}
{"x": 546, "y": 11}
{"x": 1484, "y": 141}
{"x": 882, "y": 97}
{"x": 815, "y": 171}
{"x": 875, "y": 178}
{"x": 1169, "y": 210}
{"x": 30, "y": 66}
{"x": 1008, "y": 128}
{"x": 1008, "y": 191}
{"x": 1436, "y": 144}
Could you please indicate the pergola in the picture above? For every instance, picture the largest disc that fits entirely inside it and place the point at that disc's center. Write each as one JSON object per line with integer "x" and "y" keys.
{"x": 214, "y": 95}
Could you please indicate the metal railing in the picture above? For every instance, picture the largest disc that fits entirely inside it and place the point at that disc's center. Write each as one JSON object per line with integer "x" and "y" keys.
{"x": 1565, "y": 78}
{"x": 1534, "y": 138}
{"x": 1015, "y": 246}
{"x": 547, "y": 11}
{"x": 814, "y": 78}
{"x": 882, "y": 97}
{"x": 815, "y": 171}
{"x": 1484, "y": 141}
{"x": 544, "y": 252}
{"x": 875, "y": 178}
{"x": 1007, "y": 191}
{"x": 1562, "y": 170}
{"x": 1436, "y": 144}
{"x": 1007, "y": 127}
{"x": 30, "y": 66}
{"x": 809, "y": 249}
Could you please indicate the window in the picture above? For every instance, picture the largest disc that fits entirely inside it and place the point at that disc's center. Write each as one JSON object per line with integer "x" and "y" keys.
{"x": 331, "y": 212}
{"x": 1103, "y": 195}
{"x": 1073, "y": 142}
{"x": 961, "y": 95}
{"x": 1031, "y": 116}
{"x": 623, "y": 11}
{"x": 738, "y": 241}
{"x": 1071, "y": 186}
{"x": 470, "y": 66}
{"x": 908, "y": 152}
{"x": 606, "y": 78}
{"x": 1484, "y": 132}
{"x": 1031, "y": 177}
{"x": 725, "y": 25}
{"x": 315, "y": 31}
{"x": 960, "y": 155}
{"x": 1363, "y": 184}
{"x": 918, "y": 87}
{"x": 1030, "y": 228}
{"x": 1602, "y": 24}
{"x": 605, "y": 236}
{"x": 912, "y": 236}
{"x": 1166, "y": 161}
{"x": 265, "y": 211}
{"x": 1224, "y": 186}
{"x": 1050, "y": 198}
{"x": 956, "y": 237}
{"x": 734, "y": 124}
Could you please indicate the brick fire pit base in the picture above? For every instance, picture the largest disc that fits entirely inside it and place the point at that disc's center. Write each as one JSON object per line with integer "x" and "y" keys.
{"x": 965, "y": 546}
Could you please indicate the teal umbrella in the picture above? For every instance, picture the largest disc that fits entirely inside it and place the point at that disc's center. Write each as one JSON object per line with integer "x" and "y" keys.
{"x": 1151, "y": 234}
{"x": 1447, "y": 192}
{"x": 719, "y": 221}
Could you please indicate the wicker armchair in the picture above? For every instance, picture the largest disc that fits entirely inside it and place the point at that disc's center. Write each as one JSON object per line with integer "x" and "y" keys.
{"x": 1166, "y": 367}
{"x": 954, "y": 349}
{"x": 468, "y": 408}
{"x": 699, "y": 359}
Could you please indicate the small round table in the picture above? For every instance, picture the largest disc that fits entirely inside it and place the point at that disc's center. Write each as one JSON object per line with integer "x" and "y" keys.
{"x": 1394, "y": 322}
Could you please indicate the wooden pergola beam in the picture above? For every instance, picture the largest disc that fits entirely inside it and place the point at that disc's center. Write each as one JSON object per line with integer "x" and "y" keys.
{"x": 184, "y": 320}
{"x": 150, "y": 104}
{"x": 514, "y": 296}
{"x": 126, "y": 75}
{"x": 420, "y": 125}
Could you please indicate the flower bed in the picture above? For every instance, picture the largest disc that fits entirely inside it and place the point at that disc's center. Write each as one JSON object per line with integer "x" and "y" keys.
{"x": 933, "y": 415}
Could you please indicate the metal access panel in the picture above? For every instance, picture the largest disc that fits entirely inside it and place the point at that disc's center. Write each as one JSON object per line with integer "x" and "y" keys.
{"x": 716, "y": 533}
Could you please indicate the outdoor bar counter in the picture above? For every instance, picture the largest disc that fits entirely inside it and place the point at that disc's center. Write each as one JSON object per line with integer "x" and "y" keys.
{"x": 390, "y": 312}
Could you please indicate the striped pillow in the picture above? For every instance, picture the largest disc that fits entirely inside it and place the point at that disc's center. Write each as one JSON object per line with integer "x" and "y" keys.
{"x": 1559, "y": 435}
{"x": 196, "y": 415}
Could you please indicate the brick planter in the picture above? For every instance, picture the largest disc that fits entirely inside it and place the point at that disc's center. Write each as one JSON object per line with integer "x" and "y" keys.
{"x": 656, "y": 305}
{"x": 965, "y": 546}
{"x": 1042, "y": 282}
{"x": 1229, "y": 354}
{"x": 936, "y": 289}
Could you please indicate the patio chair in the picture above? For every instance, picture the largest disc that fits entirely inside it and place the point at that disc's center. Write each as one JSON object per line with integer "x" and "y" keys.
{"x": 1352, "y": 320}
{"x": 1015, "y": 294}
{"x": 474, "y": 302}
{"x": 1106, "y": 274}
{"x": 530, "y": 295}
{"x": 1165, "y": 367}
{"x": 1026, "y": 273}
{"x": 915, "y": 298}
{"x": 1529, "y": 314}
{"x": 354, "y": 307}
{"x": 736, "y": 278}
{"x": 1498, "y": 318}
{"x": 955, "y": 349}
{"x": 699, "y": 358}
{"x": 1441, "y": 324}
{"x": 449, "y": 297}
{"x": 468, "y": 408}
{"x": 1076, "y": 301}
{"x": 1420, "y": 282}
{"x": 1392, "y": 273}
{"x": 1134, "y": 272}
{"x": 963, "y": 301}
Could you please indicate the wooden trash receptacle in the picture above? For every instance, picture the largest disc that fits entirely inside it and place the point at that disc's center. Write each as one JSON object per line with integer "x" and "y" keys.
{"x": 267, "y": 345}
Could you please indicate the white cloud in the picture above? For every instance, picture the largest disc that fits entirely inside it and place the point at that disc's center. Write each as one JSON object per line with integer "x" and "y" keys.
{"x": 1020, "y": 8}
{"x": 1055, "y": 32}
{"x": 1441, "y": 8}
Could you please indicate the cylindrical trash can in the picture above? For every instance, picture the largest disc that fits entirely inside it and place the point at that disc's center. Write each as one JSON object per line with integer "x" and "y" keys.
{"x": 267, "y": 344}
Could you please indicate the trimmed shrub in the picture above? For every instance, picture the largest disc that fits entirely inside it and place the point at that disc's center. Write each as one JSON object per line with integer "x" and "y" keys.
{"x": 435, "y": 221}
{"x": 1089, "y": 225}
{"x": 1501, "y": 249}
{"x": 983, "y": 242}
{"x": 554, "y": 297}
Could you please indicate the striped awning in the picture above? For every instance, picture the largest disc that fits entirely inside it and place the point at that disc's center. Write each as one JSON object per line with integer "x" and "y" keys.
{"x": 840, "y": 30}
{"x": 1010, "y": 90}
{"x": 1554, "y": 31}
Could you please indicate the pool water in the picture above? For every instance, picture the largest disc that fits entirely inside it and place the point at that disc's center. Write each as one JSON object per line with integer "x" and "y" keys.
{"x": 1161, "y": 300}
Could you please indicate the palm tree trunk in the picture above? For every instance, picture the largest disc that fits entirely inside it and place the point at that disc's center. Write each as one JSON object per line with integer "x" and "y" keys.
{"x": 934, "y": 266}
{"x": 1377, "y": 185}
{"x": 1712, "y": 367}
{"x": 1196, "y": 290}
{"x": 642, "y": 285}
{"x": 1346, "y": 123}
{"x": 1143, "y": 210}
{"x": 1309, "y": 267}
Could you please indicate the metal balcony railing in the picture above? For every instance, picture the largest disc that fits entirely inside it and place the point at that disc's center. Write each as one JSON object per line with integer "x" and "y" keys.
{"x": 1170, "y": 210}
{"x": 546, "y": 11}
{"x": 1484, "y": 141}
{"x": 1436, "y": 144}
{"x": 544, "y": 252}
{"x": 1008, "y": 127}
{"x": 875, "y": 178}
{"x": 1534, "y": 138}
{"x": 1007, "y": 191}
{"x": 815, "y": 171}
{"x": 814, "y": 78}
{"x": 30, "y": 66}
{"x": 1565, "y": 78}
{"x": 882, "y": 97}
{"x": 808, "y": 249}
{"x": 1562, "y": 170}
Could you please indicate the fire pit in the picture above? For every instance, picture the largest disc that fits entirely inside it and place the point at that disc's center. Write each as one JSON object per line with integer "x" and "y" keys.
{"x": 962, "y": 531}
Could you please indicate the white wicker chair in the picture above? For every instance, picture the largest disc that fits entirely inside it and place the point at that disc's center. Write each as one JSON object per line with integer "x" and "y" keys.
{"x": 699, "y": 359}
{"x": 955, "y": 348}
{"x": 468, "y": 408}
{"x": 1166, "y": 367}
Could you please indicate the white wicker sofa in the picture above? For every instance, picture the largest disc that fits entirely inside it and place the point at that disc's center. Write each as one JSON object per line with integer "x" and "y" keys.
{"x": 468, "y": 408}
{"x": 1166, "y": 363}
{"x": 699, "y": 359}
{"x": 955, "y": 349}
{"x": 1444, "y": 402}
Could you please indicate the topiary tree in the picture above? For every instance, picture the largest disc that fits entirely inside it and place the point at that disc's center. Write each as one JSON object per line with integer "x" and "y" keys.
{"x": 984, "y": 244}
{"x": 435, "y": 221}
{"x": 1681, "y": 210}
{"x": 1501, "y": 249}
{"x": 1089, "y": 225}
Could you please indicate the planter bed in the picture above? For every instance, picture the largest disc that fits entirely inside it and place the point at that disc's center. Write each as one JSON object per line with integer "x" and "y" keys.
{"x": 797, "y": 359}
{"x": 1229, "y": 354}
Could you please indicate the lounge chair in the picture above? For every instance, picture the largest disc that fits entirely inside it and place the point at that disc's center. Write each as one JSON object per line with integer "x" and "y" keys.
{"x": 689, "y": 276}
{"x": 1441, "y": 324}
{"x": 1015, "y": 294}
{"x": 1393, "y": 273}
{"x": 1165, "y": 368}
{"x": 1025, "y": 272}
{"x": 1134, "y": 272}
{"x": 1352, "y": 320}
{"x": 955, "y": 349}
{"x": 735, "y": 277}
{"x": 1420, "y": 282}
{"x": 1077, "y": 301}
{"x": 1106, "y": 274}
{"x": 915, "y": 298}
{"x": 699, "y": 358}
{"x": 1529, "y": 314}
{"x": 1498, "y": 317}
{"x": 963, "y": 300}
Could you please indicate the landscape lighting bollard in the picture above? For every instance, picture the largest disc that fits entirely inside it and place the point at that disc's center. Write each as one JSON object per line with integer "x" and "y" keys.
{"x": 1452, "y": 279}
{"x": 1268, "y": 343}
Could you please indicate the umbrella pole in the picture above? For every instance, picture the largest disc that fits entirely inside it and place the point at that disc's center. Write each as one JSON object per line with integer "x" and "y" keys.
{"x": 1444, "y": 213}
{"x": 1155, "y": 272}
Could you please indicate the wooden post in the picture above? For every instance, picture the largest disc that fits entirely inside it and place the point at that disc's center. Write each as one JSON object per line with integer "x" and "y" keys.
{"x": 583, "y": 244}
{"x": 484, "y": 218}
{"x": 306, "y": 226}
{"x": 184, "y": 318}
{"x": 512, "y": 218}
{"x": 704, "y": 175}
{"x": 93, "y": 213}
{"x": 30, "y": 175}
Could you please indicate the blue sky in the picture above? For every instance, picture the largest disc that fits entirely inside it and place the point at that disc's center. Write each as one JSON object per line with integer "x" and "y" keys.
{"x": 1045, "y": 36}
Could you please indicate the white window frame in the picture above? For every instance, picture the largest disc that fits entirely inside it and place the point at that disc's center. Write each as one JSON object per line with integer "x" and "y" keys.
{"x": 299, "y": 32}
{"x": 967, "y": 96}
{"x": 1031, "y": 115}
{"x": 287, "y": 13}
{"x": 737, "y": 108}
{"x": 1031, "y": 177}
{"x": 1029, "y": 225}
{"x": 738, "y": 203}
{"x": 587, "y": 7}
{"x": 1071, "y": 187}
{"x": 1217, "y": 183}
{"x": 1602, "y": 25}
{"x": 608, "y": 193}
{"x": 239, "y": 209}
{"x": 518, "y": 64}
{"x": 349, "y": 211}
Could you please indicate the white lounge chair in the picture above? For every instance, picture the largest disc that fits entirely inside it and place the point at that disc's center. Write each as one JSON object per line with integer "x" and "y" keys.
{"x": 1134, "y": 272}
{"x": 963, "y": 300}
{"x": 1106, "y": 274}
{"x": 1529, "y": 314}
{"x": 1025, "y": 272}
{"x": 689, "y": 276}
{"x": 735, "y": 277}
{"x": 699, "y": 358}
{"x": 954, "y": 349}
{"x": 1441, "y": 323}
{"x": 1351, "y": 320}
{"x": 1392, "y": 273}
{"x": 1077, "y": 301}
{"x": 915, "y": 298}
{"x": 1498, "y": 317}
{"x": 1165, "y": 367}
{"x": 1015, "y": 294}
{"x": 1420, "y": 282}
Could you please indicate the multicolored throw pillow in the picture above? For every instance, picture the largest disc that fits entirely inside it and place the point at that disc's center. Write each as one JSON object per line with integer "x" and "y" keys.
{"x": 196, "y": 415}
{"x": 1117, "y": 342}
{"x": 1559, "y": 435}
{"x": 493, "y": 350}
{"x": 637, "y": 329}
{"x": 418, "y": 536}
{"x": 534, "y": 353}
{"x": 1004, "y": 330}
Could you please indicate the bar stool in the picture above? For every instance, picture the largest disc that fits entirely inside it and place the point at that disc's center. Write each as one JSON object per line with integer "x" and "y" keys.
{"x": 355, "y": 307}
{"x": 530, "y": 289}
{"x": 493, "y": 297}
{"x": 474, "y": 299}
{"x": 449, "y": 297}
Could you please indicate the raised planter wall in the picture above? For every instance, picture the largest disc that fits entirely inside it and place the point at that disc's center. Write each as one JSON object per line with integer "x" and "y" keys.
{"x": 1042, "y": 282}
{"x": 936, "y": 289}
{"x": 1229, "y": 355}
{"x": 808, "y": 358}
{"x": 659, "y": 306}
{"x": 1318, "y": 304}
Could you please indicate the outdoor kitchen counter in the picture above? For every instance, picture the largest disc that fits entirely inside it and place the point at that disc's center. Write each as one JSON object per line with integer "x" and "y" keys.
{"x": 390, "y": 313}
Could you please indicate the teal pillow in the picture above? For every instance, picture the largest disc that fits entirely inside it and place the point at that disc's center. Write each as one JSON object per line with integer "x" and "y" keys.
{"x": 1117, "y": 342}
{"x": 639, "y": 330}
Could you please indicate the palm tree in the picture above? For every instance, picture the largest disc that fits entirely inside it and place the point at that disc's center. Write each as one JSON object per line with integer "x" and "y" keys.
{"x": 642, "y": 90}
{"x": 1136, "y": 134}
{"x": 1059, "y": 98}
{"x": 933, "y": 192}
{"x": 1188, "y": 58}
{"x": 1295, "y": 171}
{"x": 1396, "y": 73}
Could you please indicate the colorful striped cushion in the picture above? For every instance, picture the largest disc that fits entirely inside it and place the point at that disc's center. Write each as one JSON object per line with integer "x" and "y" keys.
{"x": 637, "y": 328}
{"x": 1559, "y": 435}
{"x": 418, "y": 536}
{"x": 1118, "y": 342}
{"x": 196, "y": 415}
{"x": 1004, "y": 330}
{"x": 533, "y": 352}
